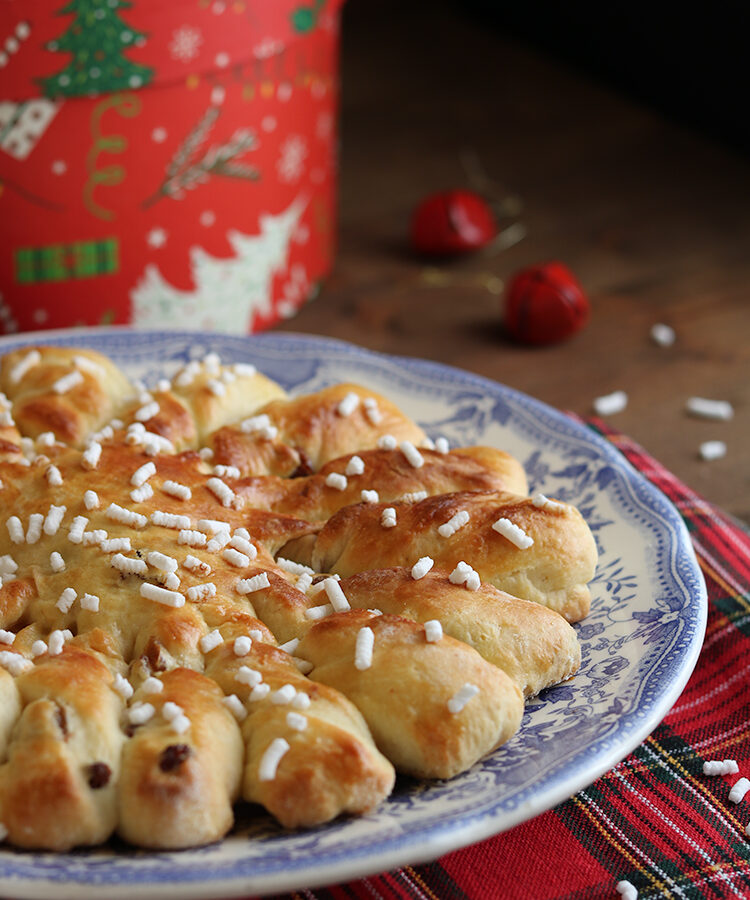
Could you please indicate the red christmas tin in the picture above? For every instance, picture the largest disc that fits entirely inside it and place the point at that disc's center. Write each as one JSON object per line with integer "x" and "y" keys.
{"x": 165, "y": 163}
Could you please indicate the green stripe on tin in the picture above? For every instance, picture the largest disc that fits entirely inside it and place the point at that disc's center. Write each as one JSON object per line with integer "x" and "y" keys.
{"x": 66, "y": 262}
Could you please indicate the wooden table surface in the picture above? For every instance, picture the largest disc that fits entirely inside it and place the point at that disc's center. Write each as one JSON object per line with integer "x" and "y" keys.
{"x": 653, "y": 219}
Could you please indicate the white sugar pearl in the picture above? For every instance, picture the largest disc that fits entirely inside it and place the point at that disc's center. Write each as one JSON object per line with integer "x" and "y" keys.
{"x": 296, "y": 721}
{"x": 710, "y": 450}
{"x": 246, "y": 675}
{"x": 270, "y": 760}
{"x": 234, "y": 705}
{"x": 627, "y": 890}
{"x": 123, "y": 687}
{"x": 140, "y": 713}
{"x": 363, "y": 648}
{"x": 355, "y": 466}
{"x": 433, "y": 631}
{"x": 211, "y": 641}
{"x": 609, "y": 404}
{"x": 513, "y": 533}
{"x": 347, "y": 406}
{"x": 242, "y": 645}
{"x": 337, "y": 481}
{"x": 421, "y": 567}
{"x": 413, "y": 456}
{"x": 90, "y": 602}
{"x": 284, "y": 695}
{"x": 739, "y": 789}
{"x": 336, "y": 595}
{"x": 710, "y": 409}
{"x": 459, "y": 700}
{"x": 662, "y": 334}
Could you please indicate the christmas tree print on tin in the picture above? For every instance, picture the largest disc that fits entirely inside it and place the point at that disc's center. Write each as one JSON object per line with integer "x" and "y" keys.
{"x": 229, "y": 292}
{"x": 305, "y": 18}
{"x": 98, "y": 39}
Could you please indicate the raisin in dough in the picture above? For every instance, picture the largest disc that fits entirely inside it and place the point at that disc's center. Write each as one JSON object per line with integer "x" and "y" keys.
{"x": 58, "y": 788}
{"x": 177, "y": 788}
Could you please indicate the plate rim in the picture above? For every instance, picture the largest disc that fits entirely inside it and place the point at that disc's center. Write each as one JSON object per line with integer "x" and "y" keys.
{"x": 447, "y": 839}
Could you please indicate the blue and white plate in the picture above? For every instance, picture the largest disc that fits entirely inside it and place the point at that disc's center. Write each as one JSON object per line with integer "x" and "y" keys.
{"x": 640, "y": 641}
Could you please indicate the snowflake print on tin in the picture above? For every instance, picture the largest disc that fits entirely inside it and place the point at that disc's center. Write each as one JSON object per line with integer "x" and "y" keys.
{"x": 156, "y": 238}
{"x": 185, "y": 44}
{"x": 294, "y": 292}
{"x": 7, "y": 318}
{"x": 290, "y": 164}
{"x": 324, "y": 126}
{"x": 267, "y": 48}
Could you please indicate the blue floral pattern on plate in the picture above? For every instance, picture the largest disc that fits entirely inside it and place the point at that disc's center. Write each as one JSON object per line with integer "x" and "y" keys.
{"x": 639, "y": 643}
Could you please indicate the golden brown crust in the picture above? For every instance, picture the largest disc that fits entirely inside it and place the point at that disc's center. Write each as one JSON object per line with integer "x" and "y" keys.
{"x": 169, "y": 639}
{"x": 10, "y": 708}
{"x": 280, "y": 605}
{"x": 58, "y": 788}
{"x": 405, "y": 691}
{"x": 177, "y": 788}
{"x": 314, "y": 428}
{"x": 387, "y": 472}
{"x": 253, "y": 455}
{"x": 41, "y": 402}
{"x": 331, "y": 764}
{"x": 15, "y": 598}
{"x": 217, "y": 395}
{"x": 10, "y": 436}
{"x": 532, "y": 644}
{"x": 89, "y": 568}
{"x": 554, "y": 571}
{"x": 314, "y": 423}
{"x": 172, "y": 419}
{"x": 145, "y": 670}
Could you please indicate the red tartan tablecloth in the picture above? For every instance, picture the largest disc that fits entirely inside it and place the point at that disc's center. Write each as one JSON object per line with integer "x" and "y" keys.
{"x": 655, "y": 820}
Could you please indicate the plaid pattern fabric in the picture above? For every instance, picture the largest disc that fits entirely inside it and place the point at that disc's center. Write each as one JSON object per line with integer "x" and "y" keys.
{"x": 655, "y": 820}
{"x": 62, "y": 262}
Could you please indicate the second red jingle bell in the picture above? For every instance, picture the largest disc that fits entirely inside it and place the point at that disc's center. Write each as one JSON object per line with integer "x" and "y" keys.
{"x": 545, "y": 304}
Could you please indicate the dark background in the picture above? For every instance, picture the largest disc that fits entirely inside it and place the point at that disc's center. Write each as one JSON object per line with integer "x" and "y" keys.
{"x": 690, "y": 62}
{"x": 622, "y": 146}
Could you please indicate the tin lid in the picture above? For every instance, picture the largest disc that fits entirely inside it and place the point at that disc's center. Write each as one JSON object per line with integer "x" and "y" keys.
{"x": 84, "y": 48}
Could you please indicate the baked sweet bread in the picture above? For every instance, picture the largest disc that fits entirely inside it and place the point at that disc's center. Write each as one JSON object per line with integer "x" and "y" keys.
{"x": 434, "y": 707}
{"x": 531, "y": 643}
{"x": 215, "y": 593}
{"x": 300, "y": 434}
{"x": 384, "y": 475}
{"x": 537, "y": 550}
{"x": 60, "y": 390}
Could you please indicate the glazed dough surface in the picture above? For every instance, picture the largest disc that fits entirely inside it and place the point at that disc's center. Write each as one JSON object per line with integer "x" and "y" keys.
{"x": 201, "y": 605}
{"x": 554, "y": 570}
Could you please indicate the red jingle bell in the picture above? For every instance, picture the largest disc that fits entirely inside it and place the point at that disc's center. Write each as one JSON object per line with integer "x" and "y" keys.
{"x": 451, "y": 223}
{"x": 545, "y": 304}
